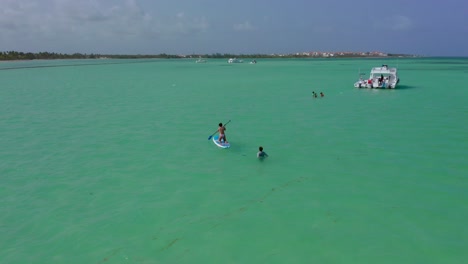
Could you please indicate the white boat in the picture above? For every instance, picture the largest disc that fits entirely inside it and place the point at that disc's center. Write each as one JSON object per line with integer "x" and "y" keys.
{"x": 234, "y": 60}
{"x": 253, "y": 62}
{"x": 380, "y": 78}
{"x": 200, "y": 60}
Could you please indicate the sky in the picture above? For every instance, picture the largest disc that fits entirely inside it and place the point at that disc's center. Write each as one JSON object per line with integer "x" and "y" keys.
{"x": 426, "y": 28}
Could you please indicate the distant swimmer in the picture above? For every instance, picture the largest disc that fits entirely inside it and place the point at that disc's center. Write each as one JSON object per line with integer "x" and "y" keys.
{"x": 314, "y": 94}
{"x": 321, "y": 94}
{"x": 261, "y": 153}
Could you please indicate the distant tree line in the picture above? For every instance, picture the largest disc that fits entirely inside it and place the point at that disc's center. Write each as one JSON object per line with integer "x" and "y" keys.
{"x": 15, "y": 55}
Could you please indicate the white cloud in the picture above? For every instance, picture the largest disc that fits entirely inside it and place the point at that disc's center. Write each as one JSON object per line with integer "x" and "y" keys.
{"x": 396, "y": 23}
{"x": 245, "y": 26}
{"x": 402, "y": 23}
{"x": 14, "y": 15}
{"x": 90, "y": 19}
{"x": 184, "y": 24}
{"x": 323, "y": 29}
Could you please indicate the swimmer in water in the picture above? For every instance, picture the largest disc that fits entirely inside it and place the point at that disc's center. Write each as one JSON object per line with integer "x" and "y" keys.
{"x": 261, "y": 153}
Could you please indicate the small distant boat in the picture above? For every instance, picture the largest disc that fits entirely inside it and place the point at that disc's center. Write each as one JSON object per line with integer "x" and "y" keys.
{"x": 253, "y": 62}
{"x": 380, "y": 78}
{"x": 200, "y": 60}
{"x": 235, "y": 60}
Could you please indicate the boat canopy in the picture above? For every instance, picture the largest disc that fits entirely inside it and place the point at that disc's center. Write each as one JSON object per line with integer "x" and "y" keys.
{"x": 384, "y": 70}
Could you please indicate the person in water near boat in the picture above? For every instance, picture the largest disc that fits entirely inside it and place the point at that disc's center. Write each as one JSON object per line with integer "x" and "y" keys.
{"x": 261, "y": 153}
{"x": 222, "y": 133}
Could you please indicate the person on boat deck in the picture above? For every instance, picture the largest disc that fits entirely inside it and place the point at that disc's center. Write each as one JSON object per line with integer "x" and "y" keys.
{"x": 261, "y": 153}
{"x": 222, "y": 133}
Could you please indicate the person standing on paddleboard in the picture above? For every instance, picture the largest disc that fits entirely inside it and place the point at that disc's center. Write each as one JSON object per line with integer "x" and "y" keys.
{"x": 222, "y": 133}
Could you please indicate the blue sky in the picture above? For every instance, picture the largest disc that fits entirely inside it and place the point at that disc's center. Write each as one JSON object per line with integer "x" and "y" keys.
{"x": 430, "y": 28}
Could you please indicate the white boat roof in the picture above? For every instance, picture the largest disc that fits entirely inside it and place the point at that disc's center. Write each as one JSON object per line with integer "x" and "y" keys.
{"x": 384, "y": 69}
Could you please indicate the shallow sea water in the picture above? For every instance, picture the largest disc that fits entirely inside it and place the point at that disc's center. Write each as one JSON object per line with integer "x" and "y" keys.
{"x": 108, "y": 161}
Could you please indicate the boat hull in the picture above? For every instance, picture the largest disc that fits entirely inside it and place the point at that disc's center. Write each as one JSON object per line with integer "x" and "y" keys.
{"x": 375, "y": 85}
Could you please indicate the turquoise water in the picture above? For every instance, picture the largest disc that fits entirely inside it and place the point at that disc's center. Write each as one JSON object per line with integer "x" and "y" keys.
{"x": 108, "y": 161}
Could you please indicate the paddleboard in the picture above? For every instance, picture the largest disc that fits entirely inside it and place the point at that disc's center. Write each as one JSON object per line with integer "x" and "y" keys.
{"x": 220, "y": 144}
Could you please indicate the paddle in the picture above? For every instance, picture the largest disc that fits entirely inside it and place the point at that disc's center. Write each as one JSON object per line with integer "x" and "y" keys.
{"x": 217, "y": 130}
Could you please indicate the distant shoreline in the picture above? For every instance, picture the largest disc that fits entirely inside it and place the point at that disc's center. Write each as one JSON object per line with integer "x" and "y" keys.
{"x": 22, "y": 56}
{"x": 205, "y": 57}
